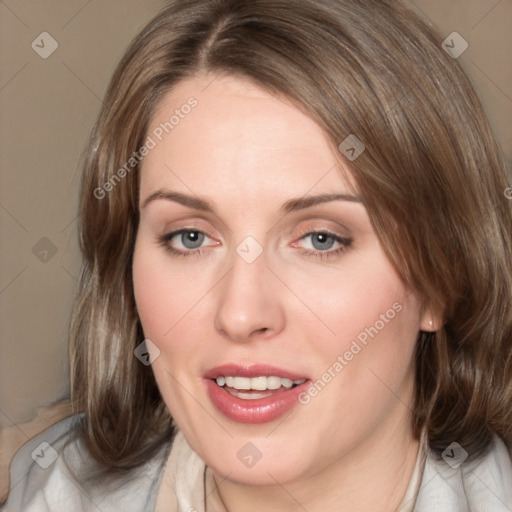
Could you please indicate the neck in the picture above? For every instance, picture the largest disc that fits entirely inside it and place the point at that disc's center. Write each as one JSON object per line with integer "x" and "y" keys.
{"x": 374, "y": 476}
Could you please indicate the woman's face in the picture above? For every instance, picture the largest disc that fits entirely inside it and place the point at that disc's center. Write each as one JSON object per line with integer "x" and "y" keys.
{"x": 256, "y": 263}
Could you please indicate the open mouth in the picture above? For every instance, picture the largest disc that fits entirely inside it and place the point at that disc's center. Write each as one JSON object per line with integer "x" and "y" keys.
{"x": 253, "y": 388}
{"x": 254, "y": 393}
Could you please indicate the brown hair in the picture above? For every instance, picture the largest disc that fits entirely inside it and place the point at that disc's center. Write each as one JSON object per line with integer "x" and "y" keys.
{"x": 431, "y": 178}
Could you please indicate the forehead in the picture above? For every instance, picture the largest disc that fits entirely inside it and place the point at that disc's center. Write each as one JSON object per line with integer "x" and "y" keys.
{"x": 237, "y": 138}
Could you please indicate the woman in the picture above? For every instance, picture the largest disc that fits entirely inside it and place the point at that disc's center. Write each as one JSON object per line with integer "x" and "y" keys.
{"x": 297, "y": 246}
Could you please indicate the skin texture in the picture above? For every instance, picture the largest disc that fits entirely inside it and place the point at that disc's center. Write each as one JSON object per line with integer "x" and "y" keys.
{"x": 247, "y": 152}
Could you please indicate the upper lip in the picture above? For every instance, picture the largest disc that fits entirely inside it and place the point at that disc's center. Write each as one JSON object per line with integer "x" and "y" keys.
{"x": 251, "y": 370}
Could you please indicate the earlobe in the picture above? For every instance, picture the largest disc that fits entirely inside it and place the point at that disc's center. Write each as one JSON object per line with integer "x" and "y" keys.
{"x": 430, "y": 322}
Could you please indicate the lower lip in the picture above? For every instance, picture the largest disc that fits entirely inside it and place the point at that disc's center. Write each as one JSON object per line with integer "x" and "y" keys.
{"x": 261, "y": 410}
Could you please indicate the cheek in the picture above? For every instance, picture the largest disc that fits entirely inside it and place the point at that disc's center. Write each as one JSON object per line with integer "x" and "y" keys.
{"x": 361, "y": 300}
{"x": 164, "y": 293}
{"x": 367, "y": 361}
{"x": 362, "y": 342}
{"x": 172, "y": 307}
{"x": 163, "y": 297}
{"x": 152, "y": 300}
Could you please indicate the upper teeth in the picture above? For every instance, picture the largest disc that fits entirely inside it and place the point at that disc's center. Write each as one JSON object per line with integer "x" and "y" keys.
{"x": 258, "y": 383}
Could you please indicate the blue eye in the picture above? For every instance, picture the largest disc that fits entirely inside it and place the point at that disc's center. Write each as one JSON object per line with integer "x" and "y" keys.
{"x": 321, "y": 243}
{"x": 184, "y": 242}
{"x": 192, "y": 239}
{"x": 192, "y": 242}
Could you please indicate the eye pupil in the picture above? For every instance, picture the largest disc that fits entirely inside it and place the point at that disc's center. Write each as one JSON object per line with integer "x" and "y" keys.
{"x": 192, "y": 239}
{"x": 322, "y": 241}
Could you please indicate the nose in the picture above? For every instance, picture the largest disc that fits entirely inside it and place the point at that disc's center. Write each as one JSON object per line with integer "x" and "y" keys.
{"x": 249, "y": 302}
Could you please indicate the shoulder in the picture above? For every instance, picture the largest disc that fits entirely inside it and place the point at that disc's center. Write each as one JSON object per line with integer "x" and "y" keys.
{"x": 450, "y": 483}
{"x": 50, "y": 473}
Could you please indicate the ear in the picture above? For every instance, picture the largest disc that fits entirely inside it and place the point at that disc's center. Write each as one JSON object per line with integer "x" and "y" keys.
{"x": 431, "y": 320}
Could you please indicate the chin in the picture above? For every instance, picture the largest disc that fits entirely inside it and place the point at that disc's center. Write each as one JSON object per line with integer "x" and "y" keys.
{"x": 247, "y": 461}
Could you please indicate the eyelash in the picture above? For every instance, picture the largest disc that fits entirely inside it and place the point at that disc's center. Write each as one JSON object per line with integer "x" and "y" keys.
{"x": 344, "y": 243}
{"x": 321, "y": 255}
{"x": 164, "y": 242}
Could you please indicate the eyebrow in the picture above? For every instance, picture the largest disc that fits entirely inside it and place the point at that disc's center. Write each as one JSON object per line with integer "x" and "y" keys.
{"x": 308, "y": 202}
{"x": 178, "y": 197}
{"x": 289, "y": 206}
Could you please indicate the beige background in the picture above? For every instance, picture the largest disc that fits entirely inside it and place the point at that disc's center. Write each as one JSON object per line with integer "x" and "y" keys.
{"x": 48, "y": 107}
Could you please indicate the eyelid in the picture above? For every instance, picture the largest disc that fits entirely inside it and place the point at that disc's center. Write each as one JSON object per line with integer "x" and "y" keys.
{"x": 323, "y": 226}
{"x": 321, "y": 221}
{"x": 330, "y": 254}
{"x": 344, "y": 240}
{"x": 189, "y": 223}
{"x": 168, "y": 235}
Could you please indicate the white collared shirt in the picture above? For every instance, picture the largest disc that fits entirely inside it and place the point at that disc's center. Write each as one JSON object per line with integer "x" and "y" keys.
{"x": 46, "y": 477}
